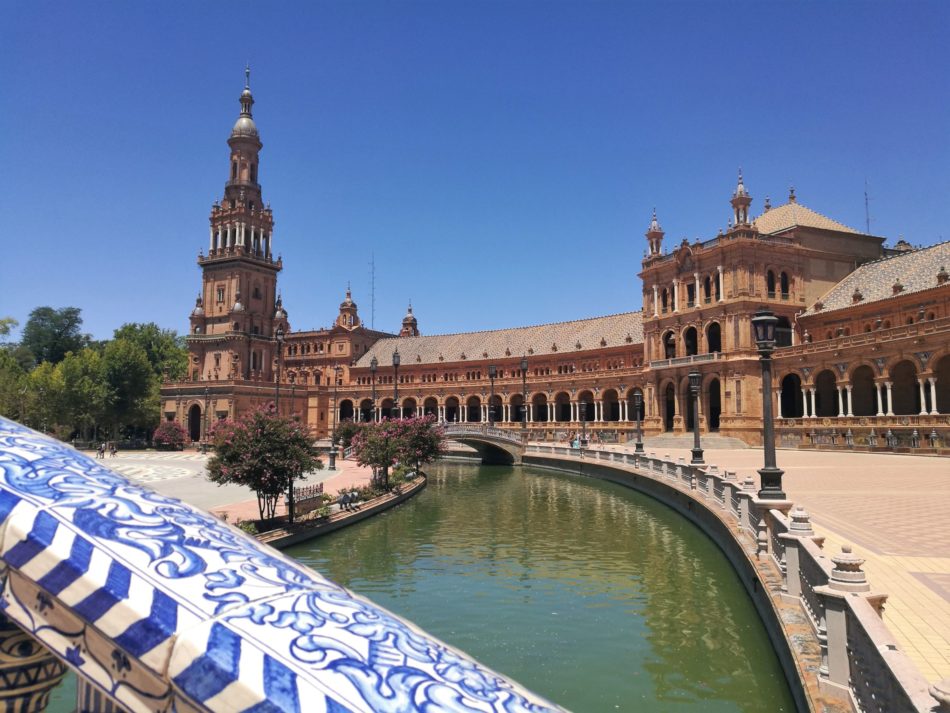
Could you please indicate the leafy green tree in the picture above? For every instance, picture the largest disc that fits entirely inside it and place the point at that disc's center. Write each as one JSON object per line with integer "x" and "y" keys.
{"x": 263, "y": 451}
{"x": 85, "y": 396}
{"x": 7, "y": 325}
{"x": 45, "y": 398}
{"x": 50, "y": 333}
{"x": 133, "y": 387}
{"x": 421, "y": 440}
{"x": 13, "y": 387}
{"x": 163, "y": 347}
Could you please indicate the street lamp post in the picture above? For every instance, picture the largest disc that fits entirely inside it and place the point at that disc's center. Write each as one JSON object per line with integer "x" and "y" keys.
{"x": 279, "y": 335}
{"x": 524, "y": 394}
{"x": 397, "y": 412}
{"x": 373, "y": 365}
{"x": 583, "y": 405}
{"x": 637, "y": 405}
{"x": 206, "y": 414}
{"x": 763, "y": 325}
{"x": 694, "y": 379}
{"x": 492, "y": 373}
{"x": 336, "y": 417}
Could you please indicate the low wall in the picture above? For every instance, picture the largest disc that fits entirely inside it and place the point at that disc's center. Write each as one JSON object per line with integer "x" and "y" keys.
{"x": 307, "y": 530}
{"x": 820, "y": 614}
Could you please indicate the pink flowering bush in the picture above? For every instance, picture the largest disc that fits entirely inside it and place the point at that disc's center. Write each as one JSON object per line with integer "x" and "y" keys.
{"x": 265, "y": 452}
{"x": 170, "y": 434}
{"x": 409, "y": 441}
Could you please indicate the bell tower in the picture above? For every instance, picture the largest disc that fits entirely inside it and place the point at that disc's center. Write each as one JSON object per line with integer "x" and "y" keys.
{"x": 233, "y": 323}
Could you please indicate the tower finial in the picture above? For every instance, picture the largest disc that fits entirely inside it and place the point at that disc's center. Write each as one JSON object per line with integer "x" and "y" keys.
{"x": 247, "y": 75}
{"x": 791, "y": 194}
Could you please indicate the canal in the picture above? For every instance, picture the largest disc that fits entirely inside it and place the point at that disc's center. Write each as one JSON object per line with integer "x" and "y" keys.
{"x": 588, "y": 593}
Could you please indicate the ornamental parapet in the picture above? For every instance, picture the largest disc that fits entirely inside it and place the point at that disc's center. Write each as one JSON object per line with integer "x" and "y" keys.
{"x": 856, "y": 659}
{"x": 157, "y": 605}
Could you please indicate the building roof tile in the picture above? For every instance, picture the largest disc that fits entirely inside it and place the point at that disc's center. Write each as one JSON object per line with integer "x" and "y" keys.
{"x": 593, "y": 333}
{"x": 794, "y": 214}
{"x": 915, "y": 270}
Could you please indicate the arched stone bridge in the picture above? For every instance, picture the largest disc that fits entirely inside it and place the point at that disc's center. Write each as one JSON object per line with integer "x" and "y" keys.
{"x": 494, "y": 445}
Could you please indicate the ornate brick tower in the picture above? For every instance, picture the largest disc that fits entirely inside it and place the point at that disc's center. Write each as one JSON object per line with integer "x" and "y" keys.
{"x": 410, "y": 325}
{"x": 238, "y": 311}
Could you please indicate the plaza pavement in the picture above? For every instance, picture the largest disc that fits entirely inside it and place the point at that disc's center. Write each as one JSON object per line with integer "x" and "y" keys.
{"x": 894, "y": 510}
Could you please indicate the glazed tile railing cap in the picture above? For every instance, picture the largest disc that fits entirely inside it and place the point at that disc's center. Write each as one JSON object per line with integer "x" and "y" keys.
{"x": 164, "y": 606}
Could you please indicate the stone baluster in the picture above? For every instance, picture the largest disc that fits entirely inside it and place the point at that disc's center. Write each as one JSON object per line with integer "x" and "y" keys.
{"x": 799, "y": 527}
{"x": 847, "y": 577}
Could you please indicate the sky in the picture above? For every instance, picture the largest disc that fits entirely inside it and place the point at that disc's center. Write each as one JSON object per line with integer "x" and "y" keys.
{"x": 499, "y": 161}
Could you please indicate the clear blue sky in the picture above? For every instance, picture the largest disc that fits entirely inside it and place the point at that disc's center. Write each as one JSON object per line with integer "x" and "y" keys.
{"x": 501, "y": 159}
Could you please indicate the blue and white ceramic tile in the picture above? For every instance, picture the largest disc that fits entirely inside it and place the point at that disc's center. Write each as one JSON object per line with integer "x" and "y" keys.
{"x": 165, "y": 607}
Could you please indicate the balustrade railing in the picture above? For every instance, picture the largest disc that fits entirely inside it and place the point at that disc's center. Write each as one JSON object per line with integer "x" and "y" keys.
{"x": 860, "y": 661}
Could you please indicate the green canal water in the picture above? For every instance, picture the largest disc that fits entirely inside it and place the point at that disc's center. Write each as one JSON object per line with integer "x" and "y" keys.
{"x": 586, "y": 592}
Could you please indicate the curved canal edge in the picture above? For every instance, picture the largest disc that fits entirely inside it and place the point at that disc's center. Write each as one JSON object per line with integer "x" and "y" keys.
{"x": 301, "y": 532}
{"x": 820, "y": 615}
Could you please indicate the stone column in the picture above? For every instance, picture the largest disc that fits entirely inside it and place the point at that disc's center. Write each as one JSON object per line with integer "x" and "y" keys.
{"x": 722, "y": 290}
{"x": 656, "y": 299}
{"x": 840, "y": 401}
{"x": 890, "y": 398}
{"x": 676, "y": 295}
{"x": 923, "y": 397}
{"x": 778, "y": 401}
{"x": 933, "y": 395}
{"x": 623, "y": 410}
{"x": 877, "y": 392}
{"x": 441, "y": 413}
{"x": 696, "y": 289}
{"x": 814, "y": 403}
{"x": 804, "y": 402}
{"x": 850, "y": 403}
{"x": 211, "y": 245}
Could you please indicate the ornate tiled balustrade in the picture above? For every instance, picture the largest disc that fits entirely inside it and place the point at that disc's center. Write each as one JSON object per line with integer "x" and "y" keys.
{"x": 160, "y": 606}
{"x": 860, "y": 663}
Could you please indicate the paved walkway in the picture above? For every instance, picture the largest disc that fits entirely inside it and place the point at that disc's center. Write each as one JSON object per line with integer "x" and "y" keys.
{"x": 894, "y": 510}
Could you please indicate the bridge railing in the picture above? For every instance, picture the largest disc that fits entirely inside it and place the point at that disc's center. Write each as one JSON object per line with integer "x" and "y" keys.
{"x": 861, "y": 662}
{"x": 483, "y": 429}
{"x": 158, "y": 605}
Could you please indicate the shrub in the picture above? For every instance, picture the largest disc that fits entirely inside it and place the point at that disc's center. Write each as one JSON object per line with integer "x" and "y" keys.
{"x": 170, "y": 434}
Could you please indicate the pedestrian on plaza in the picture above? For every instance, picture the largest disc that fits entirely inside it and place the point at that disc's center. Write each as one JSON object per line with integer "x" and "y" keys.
{"x": 112, "y": 450}
{"x": 101, "y": 453}
{"x": 354, "y": 500}
{"x": 345, "y": 502}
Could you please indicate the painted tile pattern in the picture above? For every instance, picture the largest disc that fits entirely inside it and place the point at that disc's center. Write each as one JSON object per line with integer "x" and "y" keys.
{"x": 164, "y": 607}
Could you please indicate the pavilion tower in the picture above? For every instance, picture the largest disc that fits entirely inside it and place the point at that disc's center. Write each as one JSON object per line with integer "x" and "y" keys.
{"x": 741, "y": 200}
{"x": 233, "y": 324}
{"x": 410, "y": 325}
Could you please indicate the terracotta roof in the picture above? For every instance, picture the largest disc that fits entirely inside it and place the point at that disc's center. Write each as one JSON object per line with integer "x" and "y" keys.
{"x": 791, "y": 215}
{"x": 592, "y": 333}
{"x": 915, "y": 270}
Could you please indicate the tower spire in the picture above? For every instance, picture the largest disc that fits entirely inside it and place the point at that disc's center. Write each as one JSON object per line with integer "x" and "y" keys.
{"x": 655, "y": 236}
{"x": 247, "y": 76}
{"x": 740, "y": 203}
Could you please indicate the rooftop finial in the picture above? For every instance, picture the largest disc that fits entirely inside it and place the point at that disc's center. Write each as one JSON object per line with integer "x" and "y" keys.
{"x": 247, "y": 75}
{"x": 791, "y": 194}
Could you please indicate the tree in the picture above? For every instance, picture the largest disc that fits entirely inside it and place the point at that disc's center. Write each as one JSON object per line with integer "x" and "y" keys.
{"x": 263, "y": 451}
{"x": 410, "y": 441}
{"x": 163, "y": 347}
{"x": 421, "y": 440}
{"x": 45, "y": 398}
{"x": 13, "y": 387}
{"x": 133, "y": 387}
{"x": 49, "y": 333}
{"x": 7, "y": 325}
{"x": 85, "y": 396}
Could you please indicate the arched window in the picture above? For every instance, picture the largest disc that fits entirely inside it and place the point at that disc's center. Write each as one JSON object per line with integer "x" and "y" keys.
{"x": 770, "y": 283}
{"x": 234, "y": 167}
{"x": 669, "y": 346}
{"x": 783, "y": 283}
{"x": 713, "y": 338}
{"x": 690, "y": 341}
{"x": 665, "y": 300}
{"x": 707, "y": 289}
